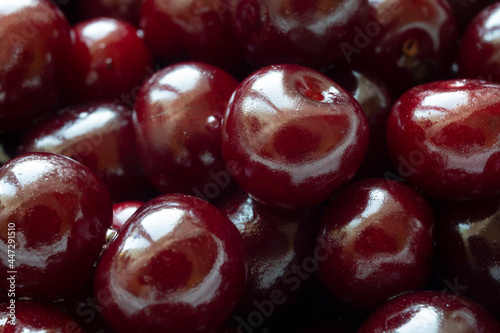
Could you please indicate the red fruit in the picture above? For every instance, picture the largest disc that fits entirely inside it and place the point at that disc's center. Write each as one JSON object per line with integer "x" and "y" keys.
{"x": 292, "y": 137}
{"x": 122, "y": 211}
{"x": 54, "y": 214}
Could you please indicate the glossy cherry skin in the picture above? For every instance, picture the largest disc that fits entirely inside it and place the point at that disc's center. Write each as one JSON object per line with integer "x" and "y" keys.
{"x": 430, "y": 311}
{"x": 177, "y": 121}
{"x": 465, "y": 10}
{"x": 405, "y": 42}
{"x": 60, "y": 211}
{"x": 379, "y": 237}
{"x": 279, "y": 248}
{"x": 109, "y": 61}
{"x": 303, "y": 32}
{"x": 35, "y": 317}
{"x": 292, "y": 136}
{"x": 100, "y": 136}
{"x": 126, "y": 10}
{"x": 479, "y": 54}
{"x": 122, "y": 211}
{"x": 177, "y": 266}
{"x": 376, "y": 99}
{"x": 468, "y": 248}
{"x": 187, "y": 29}
{"x": 35, "y": 42}
{"x": 443, "y": 138}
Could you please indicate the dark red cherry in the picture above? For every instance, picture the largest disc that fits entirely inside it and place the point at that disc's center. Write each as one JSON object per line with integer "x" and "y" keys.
{"x": 465, "y": 10}
{"x": 443, "y": 137}
{"x": 405, "y": 42}
{"x": 197, "y": 30}
{"x": 101, "y": 137}
{"x": 468, "y": 248}
{"x": 126, "y": 10}
{"x": 304, "y": 32}
{"x": 177, "y": 121}
{"x": 292, "y": 136}
{"x": 177, "y": 266}
{"x": 378, "y": 235}
{"x": 279, "y": 251}
{"x": 109, "y": 61}
{"x": 35, "y": 317}
{"x": 35, "y": 42}
{"x": 55, "y": 213}
{"x": 122, "y": 211}
{"x": 430, "y": 311}
{"x": 376, "y": 99}
{"x": 479, "y": 54}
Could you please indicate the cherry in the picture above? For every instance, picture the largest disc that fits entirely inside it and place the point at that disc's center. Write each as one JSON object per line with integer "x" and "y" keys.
{"x": 376, "y": 99}
{"x": 378, "y": 235}
{"x": 465, "y": 10}
{"x": 176, "y": 266}
{"x": 35, "y": 41}
{"x": 479, "y": 54}
{"x": 292, "y": 137}
{"x": 122, "y": 211}
{"x": 405, "y": 42}
{"x": 430, "y": 311}
{"x": 443, "y": 137}
{"x": 54, "y": 214}
{"x": 278, "y": 247}
{"x": 126, "y": 10}
{"x": 303, "y": 32}
{"x": 197, "y": 30}
{"x": 100, "y": 136}
{"x": 177, "y": 121}
{"x": 35, "y": 317}
{"x": 109, "y": 61}
{"x": 468, "y": 248}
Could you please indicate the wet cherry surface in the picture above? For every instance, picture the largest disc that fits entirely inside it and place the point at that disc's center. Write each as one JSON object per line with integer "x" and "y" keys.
{"x": 35, "y": 41}
{"x": 444, "y": 138}
{"x": 35, "y": 317}
{"x": 292, "y": 136}
{"x": 177, "y": 266}
{"x": 188, "y": 29}
{"x": 303, "y": 32}
{"x": 278, "y": 247}
{"x": 127, "y": 10}
{"x": 376, "y": 99}
{"x": 468, "y": 248}
{"x": 430, "y": 311}
{"x": 109, "y": 61}
{"x": 406, "y": 43}
{"x": 60, "y": 212}
{"x": 100, "y": 136}
{"x": 177, "y": 121}
{"x": 479, "y": 54}
{"x": 122, "y": 211}
{"x": 379, "y": 237}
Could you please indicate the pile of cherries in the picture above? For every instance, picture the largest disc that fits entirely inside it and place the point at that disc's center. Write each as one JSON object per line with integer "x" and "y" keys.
{"x": 250, "y": 166}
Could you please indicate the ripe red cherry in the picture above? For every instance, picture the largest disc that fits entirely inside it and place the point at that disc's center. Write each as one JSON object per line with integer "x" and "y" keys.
{"x": 468, "y": 248}
{"x": 59, "y": 212}
{"x": 100, "y": 136}
{"x": 431, "y": 311}
{"x": 109, "y": 61}
{"x": 177, "y": 121}
{"x": 303, "y": 32}
{"x": 292, "y": 136}
{"x": 405, "y": 42}
{"x": 379, "y": 237}
{"x": 35, "y": 42}
{"x": 279, "y": 246}
{"x": 443, "y": 137}
{"x": 177, "y": 266}
{"x": 197, "y": 30}
{"x": 479, "y": 54}
{"x": 35, "y": 317}
{"x": 122, "y": 211}
{"x": 465, "y": 10}
{"x": 126, "y": 10}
